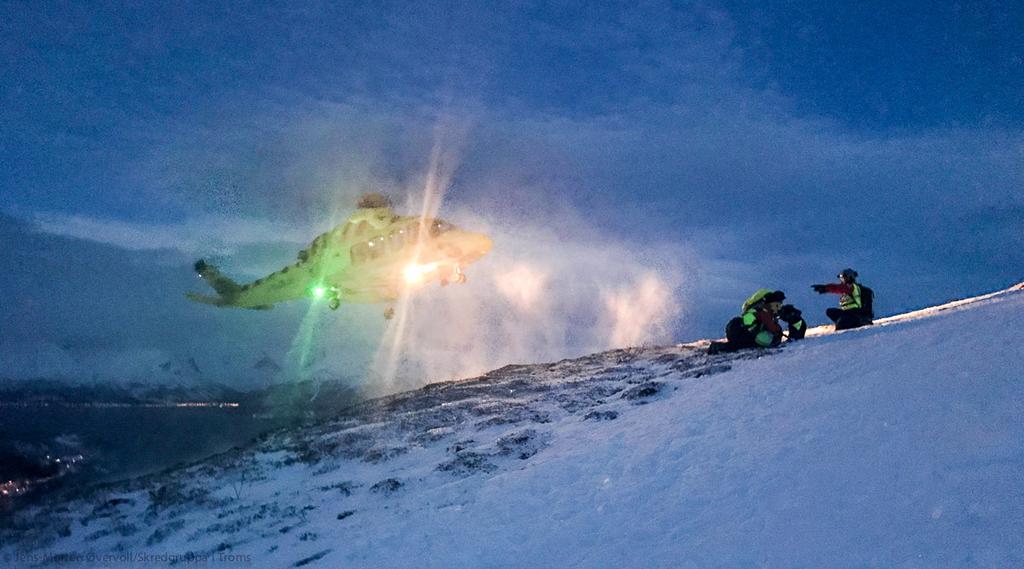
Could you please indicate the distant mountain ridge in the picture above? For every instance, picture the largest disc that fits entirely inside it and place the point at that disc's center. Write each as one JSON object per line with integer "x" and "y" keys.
{"x": 181, "y": 380}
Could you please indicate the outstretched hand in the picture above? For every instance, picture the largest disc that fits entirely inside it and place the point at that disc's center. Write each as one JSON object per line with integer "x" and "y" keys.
{"x": 820, "y": 288}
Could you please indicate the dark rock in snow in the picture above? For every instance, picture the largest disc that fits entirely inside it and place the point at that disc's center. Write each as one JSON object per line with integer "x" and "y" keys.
{"x": 516, "y": 414}
{"x": 378, "y": 455}
{"x": 461, "y": 445}
{"x": 467, "y": 463}
{"x": 642, "y": 391}
{"x": 522, "y": 444}
{"x": 601, "y": 415}
{"x": 703, "y": 370}
{"x": 110, "y": 506}
{"x": 343, "y": 488}
{"x": 387, "y": 486}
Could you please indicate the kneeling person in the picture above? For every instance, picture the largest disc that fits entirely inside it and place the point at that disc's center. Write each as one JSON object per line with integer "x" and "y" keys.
{"x": 757, "y": 327}
{"x": 797, "y": 326}
{"x": 856, "y": 302}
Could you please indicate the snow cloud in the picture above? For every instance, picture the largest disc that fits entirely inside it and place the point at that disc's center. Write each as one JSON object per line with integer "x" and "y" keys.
{"x": 641, "y": 313}
{"x": 540, "y": 295}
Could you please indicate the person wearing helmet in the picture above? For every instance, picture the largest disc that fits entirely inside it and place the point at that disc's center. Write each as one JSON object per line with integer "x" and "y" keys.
{"x": 758, "y": 325}
{"x": 796, "y": 325}
{"x": 855, "y": 301}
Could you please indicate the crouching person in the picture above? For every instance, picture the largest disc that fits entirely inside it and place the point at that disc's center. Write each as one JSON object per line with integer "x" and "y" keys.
{"x": 856, "y": 301}
{"x": 796, "y": 325}
{"x": 757, "y": 327}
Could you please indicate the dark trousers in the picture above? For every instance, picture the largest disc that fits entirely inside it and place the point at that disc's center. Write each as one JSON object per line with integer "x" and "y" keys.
{"x": 739, "y": 338}
{"x": 738, "y": 335}
{"x": 846, "y": 319}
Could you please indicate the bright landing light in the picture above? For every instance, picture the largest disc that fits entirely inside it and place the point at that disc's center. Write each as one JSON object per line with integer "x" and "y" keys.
{"x": 319, "y": 292}
{"x": 414, "y": 272}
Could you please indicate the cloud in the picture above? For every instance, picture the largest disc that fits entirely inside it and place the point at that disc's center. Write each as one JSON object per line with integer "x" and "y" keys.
{"x": 202, "y": 234}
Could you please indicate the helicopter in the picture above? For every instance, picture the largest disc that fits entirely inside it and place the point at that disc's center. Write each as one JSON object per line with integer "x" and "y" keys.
{"x": 375, "y": 256}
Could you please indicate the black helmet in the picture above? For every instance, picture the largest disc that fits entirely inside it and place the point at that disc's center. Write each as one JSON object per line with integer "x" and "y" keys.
{"x": 847, "y": 274}
{"x": 789, "y": 313}
{"x": 775, "y": 296}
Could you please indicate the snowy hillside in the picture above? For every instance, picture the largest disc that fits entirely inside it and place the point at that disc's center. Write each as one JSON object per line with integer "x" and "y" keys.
{"x": 896, "y": 446}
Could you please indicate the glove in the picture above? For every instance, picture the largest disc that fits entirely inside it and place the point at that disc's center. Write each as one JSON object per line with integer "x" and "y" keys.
{"x": 820, "y": 289}
{"x": 789, "y": 314}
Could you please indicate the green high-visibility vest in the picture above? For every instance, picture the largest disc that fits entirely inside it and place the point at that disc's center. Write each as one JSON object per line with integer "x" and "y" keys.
{"x": 762, "y": 337}
{"x": 750, "y": 320}
{"x": 852, "y": 300}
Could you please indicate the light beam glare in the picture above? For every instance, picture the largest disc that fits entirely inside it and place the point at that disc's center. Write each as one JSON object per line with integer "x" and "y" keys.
{"x": 443, "y": 160}
{"x": 303, "y": 353}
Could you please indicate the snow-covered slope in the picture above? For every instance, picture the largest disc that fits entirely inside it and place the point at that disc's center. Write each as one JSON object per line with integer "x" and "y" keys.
{"x": 895, "y": 446}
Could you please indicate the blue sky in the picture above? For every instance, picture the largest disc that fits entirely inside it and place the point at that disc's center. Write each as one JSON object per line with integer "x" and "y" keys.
{"x": 889, "y": 66}
{"x": 723, "y": 146}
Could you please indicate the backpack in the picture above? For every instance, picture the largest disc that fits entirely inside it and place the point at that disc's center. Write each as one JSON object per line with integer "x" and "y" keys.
{"x": 867, "y": 300}
{"x": 755, "y": 298}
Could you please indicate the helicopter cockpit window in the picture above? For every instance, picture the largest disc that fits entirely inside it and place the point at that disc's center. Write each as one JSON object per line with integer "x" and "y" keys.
{"x": 439, "y": 226}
